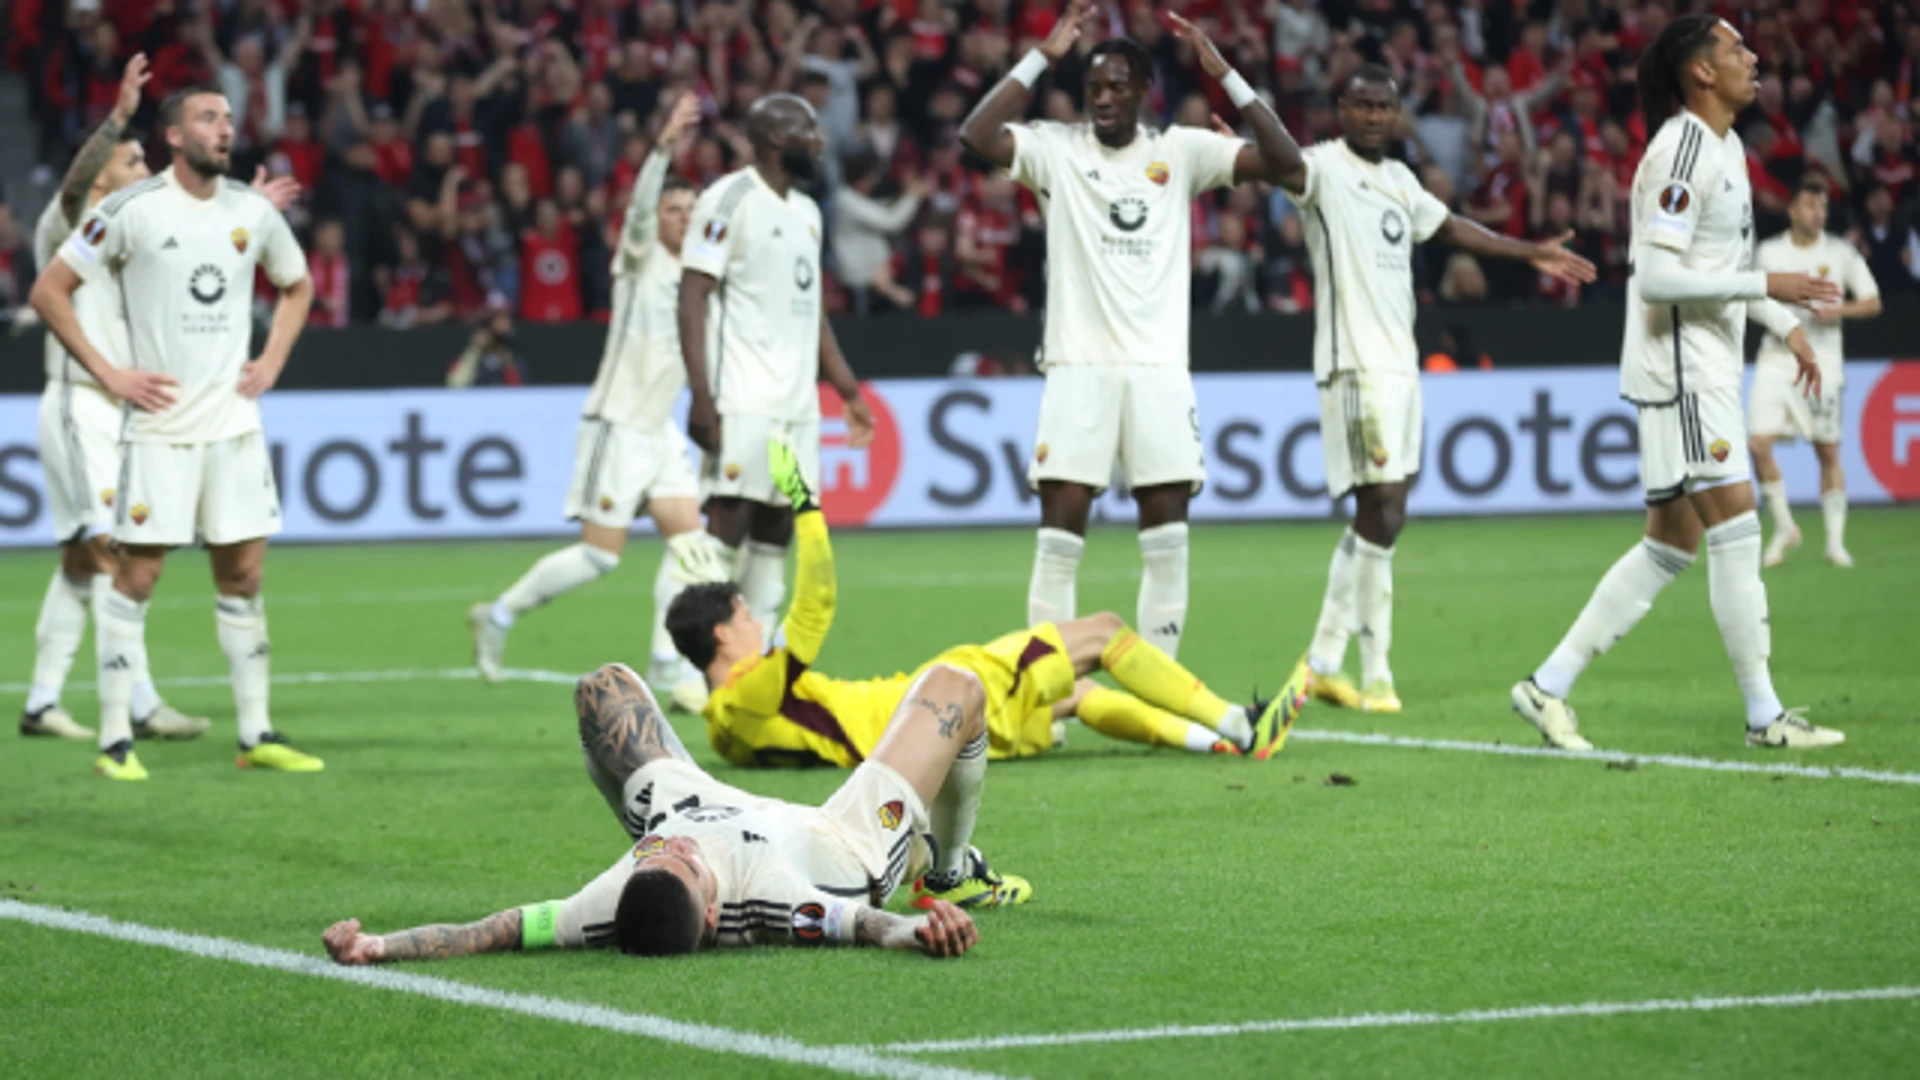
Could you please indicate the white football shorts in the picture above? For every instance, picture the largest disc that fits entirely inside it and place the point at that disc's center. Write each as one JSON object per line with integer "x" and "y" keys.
{"x": 1779, "y": 409}
{"x": 739, "y": 470}
{"x": 1370, "y": 429}
{"x": 80, "y": 457}
{"x": 1695, "y": 441}
{"x": 171, "y": 494}
{"x": 618, "y": 469}
{"x": 1140, "y": 422}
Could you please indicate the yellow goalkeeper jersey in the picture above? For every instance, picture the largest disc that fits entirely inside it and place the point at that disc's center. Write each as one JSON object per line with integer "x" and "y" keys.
{"x": 775, "y": 709}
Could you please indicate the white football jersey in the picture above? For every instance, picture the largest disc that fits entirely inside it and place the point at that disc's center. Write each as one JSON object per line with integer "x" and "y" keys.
{"x": 641, "y": 372}
{"x": 1690, "y": 196}
{"x": 763, "y": 324}
{"x": 1362, "y": 219}
{"x": 183, "y": 268}
{"x": 97, "y": 309}
{"x": 1828, "y": 257}
{"x": 1119, "y": 236}
{"x": 784, "y": 875}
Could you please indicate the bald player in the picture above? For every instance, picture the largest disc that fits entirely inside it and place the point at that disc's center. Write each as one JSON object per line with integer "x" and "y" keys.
{"x": 756, "y": 344}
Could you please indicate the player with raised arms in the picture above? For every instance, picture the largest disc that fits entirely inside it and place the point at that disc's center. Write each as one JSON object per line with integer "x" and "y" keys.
{"x": 771, "y": 708}
{"x": 180, "y": 250}
{"x": 1777, "y": 409}
{"x": 1117, "y": 196}
{"x": 629, "y": 455}
{"x": 1692, "y": 290}
{"x": 713, "y": 865}
{"x": 1363, "y": 211}
{"x": 756, "y": 342}
{"x": 80, "y": 438}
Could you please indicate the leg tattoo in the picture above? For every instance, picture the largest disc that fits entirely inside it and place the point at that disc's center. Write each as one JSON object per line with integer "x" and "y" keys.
{"x": 621, "y": 728}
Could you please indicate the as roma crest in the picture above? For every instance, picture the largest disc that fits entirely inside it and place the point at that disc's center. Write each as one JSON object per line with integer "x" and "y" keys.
{"x": 890, "y": 814}
{"x": 240, "y": 241}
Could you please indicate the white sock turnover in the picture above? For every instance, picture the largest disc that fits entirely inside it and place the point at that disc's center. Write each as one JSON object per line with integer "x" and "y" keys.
{"x": 120, "y": 628}
{"x": 1328, "y": 653}
{"x": 1056, "y": 563}
{"x": 1740, "y": 607}
{"x": 1833, "y": 511}
{"x": 1161, "y": 610}
{"x": 1774, "y": 494}
{"x": 56, "y": 638}
{"x": 1373, "y": 601}
{"x": 242, "y": 626}
{"x": 1623, "y": 597}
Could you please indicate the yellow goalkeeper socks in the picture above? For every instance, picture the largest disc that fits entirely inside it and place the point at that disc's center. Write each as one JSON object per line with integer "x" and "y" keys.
{"x": 1158, "y": 679}
{"x": 1123, "y": 716}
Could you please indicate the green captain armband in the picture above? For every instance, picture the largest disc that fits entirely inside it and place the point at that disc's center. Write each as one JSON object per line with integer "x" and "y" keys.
{"x": 538, "y": 924}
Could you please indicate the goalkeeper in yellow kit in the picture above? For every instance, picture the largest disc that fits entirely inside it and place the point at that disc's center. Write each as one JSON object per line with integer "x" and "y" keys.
{"x": 768, "y": 707}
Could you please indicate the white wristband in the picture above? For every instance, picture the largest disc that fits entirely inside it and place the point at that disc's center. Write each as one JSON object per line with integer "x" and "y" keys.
{"x": 1029, "y": 69}
{"x": 1237, "y": 89}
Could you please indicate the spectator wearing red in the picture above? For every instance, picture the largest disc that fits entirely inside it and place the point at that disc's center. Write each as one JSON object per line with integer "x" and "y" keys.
{"x": 304, "y": 156}
{"x": 392, "y": 151}
{"x": 392, "y": 39}
{"x": 413, "y": 291}
{"x": 327, "y": 266}
{"x": 928, "y": 267}
{"x": 985, "y": 236}
{"x": 1527, "y": 66}
{"x": 549, "y": 268}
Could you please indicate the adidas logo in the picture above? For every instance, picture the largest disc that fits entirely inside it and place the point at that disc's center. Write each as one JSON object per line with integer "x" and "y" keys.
{"x": 1093, "y": 174}
{"x": 170, "y": 245}
{"x": 752, "y": 837}
{"x": 1172, "y": 629}
{"x": 118, "y": 663}
{"x": 776, "y": 232}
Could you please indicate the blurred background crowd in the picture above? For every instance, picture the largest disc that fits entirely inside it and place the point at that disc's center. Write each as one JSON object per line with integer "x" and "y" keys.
{"x": 471, "y": 159}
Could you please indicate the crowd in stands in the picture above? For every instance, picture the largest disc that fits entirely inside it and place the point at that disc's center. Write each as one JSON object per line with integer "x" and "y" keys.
{"x": 463, "y": 157}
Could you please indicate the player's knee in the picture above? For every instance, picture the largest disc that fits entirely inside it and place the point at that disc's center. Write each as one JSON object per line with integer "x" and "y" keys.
{"x": 244, "y": 582}
{"x": 136, "y": 580}
{"x": 947, "y": 684}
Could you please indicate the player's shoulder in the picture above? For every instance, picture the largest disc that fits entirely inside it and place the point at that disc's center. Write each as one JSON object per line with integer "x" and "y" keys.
{"x": 242, "y": 195}
{"x": 1680, "y": 151}
{"x": 728, "y": 195}
{"x": 117, "y": 203}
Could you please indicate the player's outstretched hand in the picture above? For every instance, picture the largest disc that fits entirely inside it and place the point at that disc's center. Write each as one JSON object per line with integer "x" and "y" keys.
{"x": 347, "y": 945}
{"x": 1067, "y": 30}
{"x": 148, "y": 390}
{"x": 945, "y": 931}
{"x": 1808, "y": 364}
{"x": 133, "y": 82}
{"x": 1211, "y": 61}
{"x": 783, "y": 462}
{"x": 1804, "y": 290}
{"x": 1554, "y": 258}
{"x": 685, "y": 114}
{"x": 257, "y": 377}
{"x": 281, "y": 191}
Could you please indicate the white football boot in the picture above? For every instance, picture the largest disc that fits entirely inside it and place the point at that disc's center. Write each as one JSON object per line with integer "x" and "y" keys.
{"x": 1552, "y": 715}
{"x": 1791, "y": 731}
{"x": 489, "y": 642}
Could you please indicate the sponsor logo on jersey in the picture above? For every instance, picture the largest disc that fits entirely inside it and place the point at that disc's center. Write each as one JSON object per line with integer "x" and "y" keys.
{"x": 891, "y": 813}
{"x": 1157, "y": 172}
{"x": 1720, "y": 449}
{"x": 95, "y": 232}
{"x": 106, "y": 497}
{"x": 648, "y": 847}
{"x": 810, "y": 924}
{"x": 1127, "y": 214}
{"x": 240, "y": 240}
{"x": 802, "y": 273}
{"x": 1675, "y": 199}
{"x": 732, "y": 470}
{"x": 1040, "y": 453}
{"x": 1393, "y": 227}
{"x": 170, "y": 245}
{"x": 207, "y": 284}
{"x": 139, "y": 513}
{"x": 715, "y": 232}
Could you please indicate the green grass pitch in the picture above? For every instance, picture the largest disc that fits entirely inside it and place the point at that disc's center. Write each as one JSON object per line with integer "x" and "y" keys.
{"x": 1170, "y": 889}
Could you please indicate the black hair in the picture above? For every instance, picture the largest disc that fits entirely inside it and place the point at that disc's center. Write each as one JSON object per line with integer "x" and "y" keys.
{"x": 859, "y": 162}
{"x": 130, "y": 134}
{"x": 676, "y": 182}
{"x": 176, "y": 102}
{"x": 1139, "y": 60}
{"x": 1663, "y": 67}
{"x": 1368, "y": 75}
{"x": 693, "y": 616}
{"x": 658, "y": 916}
{"x": 1812, "y": 184}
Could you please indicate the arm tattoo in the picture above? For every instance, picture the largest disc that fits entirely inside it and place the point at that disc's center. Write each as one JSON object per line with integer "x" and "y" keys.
{"x": 620, "y": 726}
{"x": 948, "y": 715}
{"x": 496, "y": 933}
{"x": 87, "y": 163}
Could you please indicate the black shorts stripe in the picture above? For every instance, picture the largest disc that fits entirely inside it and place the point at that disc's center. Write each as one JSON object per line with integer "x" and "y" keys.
{"x": 593, "y": 462}
{"x": 1333, "y": 290}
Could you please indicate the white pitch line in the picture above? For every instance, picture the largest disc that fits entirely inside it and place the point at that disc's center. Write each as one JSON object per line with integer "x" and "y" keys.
{"x": 1403, "y": 742}
{"x": 1814, "y": 772}
{"x": 845, "y": 1059}
{"x": 1407, "y": 1019}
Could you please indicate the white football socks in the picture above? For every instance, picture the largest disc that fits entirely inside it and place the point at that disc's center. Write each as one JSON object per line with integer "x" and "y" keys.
{"x": 1619, "y": 602}
{"x": 763, "y": 582}
{"x": 120, "y": 630}
{"x": 1833, "y": 511}
{"x": 955, "y": 809}
{"x": 56, "y": 638}
{"x": 1161, "y": 610}
{"x": 1774, "y": 494}
{"x": 666, "y": 586}
{"x": 557, "y": 573}
{"x": 1328, "y": 653}
{"x": 242, "y": 628}
{"x": 1373, "y": 602}
{"x": 1740, "y": 607}
{"x": 1056, "y": 563}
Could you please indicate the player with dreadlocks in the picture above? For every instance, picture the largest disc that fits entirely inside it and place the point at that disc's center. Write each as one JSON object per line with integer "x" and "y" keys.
{"x": 1692, "y": 290}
